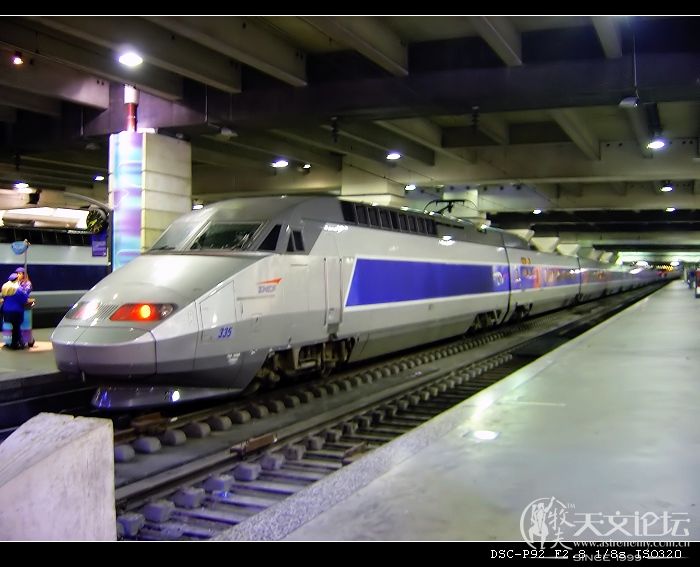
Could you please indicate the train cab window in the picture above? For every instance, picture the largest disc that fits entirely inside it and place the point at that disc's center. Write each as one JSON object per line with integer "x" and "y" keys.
{"x": 270, "y": 242}
{"x": 298, "y": 240}
{"x": 295, "y": 242}
{"x": 349, "y": 214}
{"x": 225, "y": 236}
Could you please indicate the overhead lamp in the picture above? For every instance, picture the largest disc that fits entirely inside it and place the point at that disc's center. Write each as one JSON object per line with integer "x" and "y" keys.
{"x": 656, "y": 143}
{"x": 391, "y": 156}
{"x": 17, "y": 58}
{"x": 666, "y": 187}
{"x": 280, "y": 163}
{"x": 629, "y": 102}
{"x": 410, "y": 187}
{"x": 130, "y": 59}
{"x": 197, "y": 204}
{"x": 670, "y": 209}
{"x": 20, "y": 185}
{"x": 536, "y": 211}
{"x": 306, "y": 166}
{"x": 99, "y": 177}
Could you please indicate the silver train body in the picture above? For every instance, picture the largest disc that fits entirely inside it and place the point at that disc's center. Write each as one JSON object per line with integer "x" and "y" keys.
{"x": 245, "y": 291}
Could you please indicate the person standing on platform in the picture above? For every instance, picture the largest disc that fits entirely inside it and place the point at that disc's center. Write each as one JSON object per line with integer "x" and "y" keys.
{"x": 23, "y": 278}
{"x": 14, "y": 296}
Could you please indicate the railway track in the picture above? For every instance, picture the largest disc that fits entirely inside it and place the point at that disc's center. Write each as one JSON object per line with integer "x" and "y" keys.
{"x": 194, "y": 475}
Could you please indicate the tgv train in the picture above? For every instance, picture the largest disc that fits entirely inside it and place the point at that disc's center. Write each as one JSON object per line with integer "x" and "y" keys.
{"x": 246, "y": 291}
{"x": 60, "y": 265}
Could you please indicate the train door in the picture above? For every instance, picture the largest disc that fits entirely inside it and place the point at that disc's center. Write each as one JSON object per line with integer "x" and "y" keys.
{"x": 333, "y": 290}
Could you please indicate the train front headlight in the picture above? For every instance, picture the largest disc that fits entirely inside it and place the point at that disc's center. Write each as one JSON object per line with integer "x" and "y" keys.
{"x": 83, "y": 310}
{"x": 143, "y": 312}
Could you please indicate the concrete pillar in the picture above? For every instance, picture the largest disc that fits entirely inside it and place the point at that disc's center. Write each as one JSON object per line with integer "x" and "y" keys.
{"x": 360, "y": 185}
{"x": 57, "y": 480}
{"x": 150, "y": 185}
{"x": 470, "y": 208}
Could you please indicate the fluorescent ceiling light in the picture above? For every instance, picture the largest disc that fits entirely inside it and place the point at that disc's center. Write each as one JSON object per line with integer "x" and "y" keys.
{"x": 130, "y": 59}
{"x": 393, "y": 155}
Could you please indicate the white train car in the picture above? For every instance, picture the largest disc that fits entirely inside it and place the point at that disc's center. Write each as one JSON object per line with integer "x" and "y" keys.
{"x": 246, "y": 291}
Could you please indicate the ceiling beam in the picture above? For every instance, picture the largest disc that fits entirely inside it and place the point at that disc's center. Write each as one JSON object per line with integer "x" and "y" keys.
{"x": 208, "y": 153}
{"x": 608, "y": 35}
{"x": 426, "y": 133}
{"x": 281, "y": 148}
{"x": 28, "y": 101}
{"x": 41, "y": 77}
{"x": 32, "y": 38}
{"x": 501, "y": 36}
{"x": 495, "y": 128}
{"x": 242, "y": 40}
{"x": 591, "y": 82}
{"x": 319, "y": 138}
{"x": 578, "y": 131}
{"x": 368, "y": 36}
{"x": 157, "y": 45}
{"x": 381, "y": 138}
{"x": 518, "y": 133}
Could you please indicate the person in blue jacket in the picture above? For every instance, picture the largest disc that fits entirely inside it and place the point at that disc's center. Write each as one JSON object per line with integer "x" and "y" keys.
{"x": 14, "y": 297}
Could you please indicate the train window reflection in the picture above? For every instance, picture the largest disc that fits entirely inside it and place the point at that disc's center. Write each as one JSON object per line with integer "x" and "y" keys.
{"x": 175, "y": 236}
{"x": 229, "y": 236}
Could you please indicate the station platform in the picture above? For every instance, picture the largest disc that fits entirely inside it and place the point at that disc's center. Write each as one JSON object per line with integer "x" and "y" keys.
{"x": 600, "y": 434}
{"x": 29, "y": 367}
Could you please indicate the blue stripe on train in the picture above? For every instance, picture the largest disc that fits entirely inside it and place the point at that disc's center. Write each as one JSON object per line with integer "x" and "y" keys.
{"x": 390, "y": 281}
{"x": 59, "y": 277}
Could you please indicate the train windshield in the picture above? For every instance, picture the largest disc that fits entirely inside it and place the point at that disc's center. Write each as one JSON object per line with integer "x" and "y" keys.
{"x": 176, "y": 235}
{"x": 225, "y": 236}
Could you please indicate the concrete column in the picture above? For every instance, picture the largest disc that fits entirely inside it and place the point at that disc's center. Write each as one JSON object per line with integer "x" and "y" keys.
{"x": 167, "y": 187}
{"x": 150, "y": 185}
{"x": 57, "y": 480}
{"x": 470, "y": 209}
{"x": 360, "y": 185}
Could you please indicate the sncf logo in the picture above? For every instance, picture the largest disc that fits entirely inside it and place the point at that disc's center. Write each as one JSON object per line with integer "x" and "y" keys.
{"x": 268, "y": 286}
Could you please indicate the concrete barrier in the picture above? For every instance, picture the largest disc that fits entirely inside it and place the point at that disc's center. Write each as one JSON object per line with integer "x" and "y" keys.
{"x": 57, "y": 480}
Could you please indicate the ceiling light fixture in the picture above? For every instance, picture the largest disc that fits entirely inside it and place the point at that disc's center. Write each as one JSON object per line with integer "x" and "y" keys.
{"x": 130, "y": 59}
{"x": 670, "y": 209}
{"x": 17, "y": 58}
{"x": 391, "y": 156}
{"x": 536, "y": 211}
{"x": 666, "y": 187}
{"x": 279, "y": 163}
{"x": 99, "y": 177}
{"x": 410, "y": 187}
{"x": 656, "y": 143}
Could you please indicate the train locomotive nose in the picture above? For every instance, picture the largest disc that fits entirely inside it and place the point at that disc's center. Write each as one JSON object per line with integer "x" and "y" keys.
{"x": 105, "y": 351}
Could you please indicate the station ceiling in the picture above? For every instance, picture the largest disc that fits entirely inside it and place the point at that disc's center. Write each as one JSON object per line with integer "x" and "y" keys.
{"x": 535, "y": 112}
